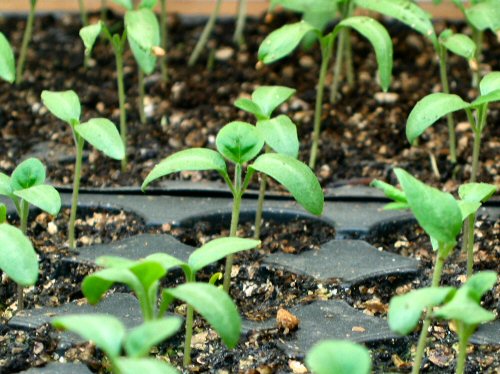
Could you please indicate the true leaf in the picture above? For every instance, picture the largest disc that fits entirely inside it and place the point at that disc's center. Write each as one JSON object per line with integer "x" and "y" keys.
{"x": 249, "y": 106}
{"x": 95, "y": 285}
{"x": 468, "y": 207}
{"x": 142, "y": 338}
{"x": 7, "y": 62}
{"x": 338, "y": 357}
{"x": 145, "y": 60}
{"x": 295, "y": 176}
{"x": 189, "y": 159}
{"x": 478, "y": 284}
{"x": 28, "y": 173}
{"x": 479, "y": 192}
{"x": 17, "y": 256}
{"x": 167, "y": 261}
{"x": 239, "y": 142}
{"x": 65, "y": 105}
{"x": 280, "y": 133}
{"x": 437, "y": 212}
{"x": 283, "y": 41}
{"x": 390, "y": 191}
{"x": 105, "y": 331}
{"x": 89, "y": 35}
{"x": 428, "y": 110}
{"x": 214, "y": 305}
{"x": 42, "y": 196}
{"x": 379, "y": 38}
{"x": 460, "y": 45}
{"x": 142, "y": 27}
{"x": 485, "y": 15}
{"x": 103, "y": 135}
{"x": 143, "y": 365}
{"x": 268, "y": 98}
{"x": 406, "y": 310}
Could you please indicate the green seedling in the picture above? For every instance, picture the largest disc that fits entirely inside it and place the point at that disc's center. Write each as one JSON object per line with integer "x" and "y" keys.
{"x": 283, "y": 41}
{"x": 142, "y": 31}
{"x": 28, "y": 31}
{"x": 434, "y": 106}
{"x": 439, "y": 214}
{"x": 110, "y": 335}
{"x": 26, "y": 186}
{"x": 7, "y": 60}
{"x": 338, "y": 357}
{"x": 240, "y": 142}
{"x": 279, "y": 133}
{"x": 98, "y": 132}
{"x": 207, "y": 31}
{"x": 83, "y": 13}
{"x": 461, "y": 306}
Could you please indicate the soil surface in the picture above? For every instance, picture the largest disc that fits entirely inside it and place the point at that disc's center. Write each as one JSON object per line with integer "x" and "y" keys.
{"x": 363, "y": 134}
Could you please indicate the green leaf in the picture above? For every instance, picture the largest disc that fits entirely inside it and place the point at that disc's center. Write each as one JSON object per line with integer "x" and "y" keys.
{"x": 105, "y": 331}
{"x": 143, "y": 33}
{"x": 404, "y": 11}
{"x": 141, "y": 339}
{"x": 478, "y": 284}
{"x": 486, "y": 99}
{"x": 143, "y": 365}
{"x": 379, "y": 38}
{"x": 65, "y": 105}
{"x": 218, "y": 249}
{"x": 3, "y": 213}
{"x": 304, "y": 6}
{"x": 280, "y": 133}
{"x": 396, "y": 206}
{"x": 127, "y": 4}
{"x": 239, "y": 142}
{"x": 490, "y": 83}
{"x": 95, "y": 285}
{"x": 437, "y": 212}
{"x": 459, "y": 44}
{"x": 295, "y": 176}
{"x": 7, "y": 62}
{"x": 484, "y": 15}
{"x": 283, "y": 41}
{"x": 189, "y": 159}
{"x": 167, "y": 261}
{"x": 89, "y": 35}
{"x": 103, "y": 135}
{"x": 28, "y": 173}
{"x": 42, "y": 196}
{"x": 6, "y": 186}
{"x": 390, "y": 191}
{"x": 428, "y": 110}
{"x": 338, "y": 357}
{"x": 150, "y": 4}
{"x": 249, "y": 106}
{"x": 145, "y": 60}
{"x": 148, "y": 272}
{"x": 114, "y": 262}
{"x": 268, "y": 98}
{"x": 214, "y": 305}
{"x": 406, "y": 310}
{"x": 468, "y": 207}
{"x": 479, "y": 192}
{"x": 17, "y": 256}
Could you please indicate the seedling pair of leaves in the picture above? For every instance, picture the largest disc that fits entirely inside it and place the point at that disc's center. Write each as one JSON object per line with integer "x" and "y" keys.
{"x": 110, "y": 335}
{"x": 241, "y": 142}
{"x": 279, "y": 133}
{"x": 101, "y": 133}
{"x": 143, "y": 278}
{"x": 434, "y": 106}
{"x": 463, "y": 306}
{"x": 283, "y": 41}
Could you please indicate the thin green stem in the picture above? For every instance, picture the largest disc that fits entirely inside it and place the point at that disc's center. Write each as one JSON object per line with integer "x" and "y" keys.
{"x": 83, "y": 13}
{"x": 24, "y": 46}
{"x": 23, "y": 217}
{"x": 79, "y": 142}
{"x": 446, "y": 89}
{"x": 189, "y": 328}
{"x": 240, "y": 23}
{"x": 470, "y": 244}
{"x": 326, "y": 51}
{"x": 260, "y": 206}
{"x": 337, "y": 68}
{"x": 349, "y": 68}
{"x": 202, "y": 42}
{"x": 235, "y": 217}
{"x": 104, "y": 9}
{"x": 142, "y": 94}
{"x": 164, "y": 40}
{"x": 121, "y": 98}
{"x": 477, "y": 36}
{"x": 475, "y": 155}
{"x": 462, "y": 349}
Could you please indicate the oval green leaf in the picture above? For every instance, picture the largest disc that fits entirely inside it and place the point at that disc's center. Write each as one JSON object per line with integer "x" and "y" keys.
{"x": 7, "y": 62}
{"x": 65, "y": 105}
{"x": 89, "y": 35}
{"x": 189, "y": 159}
{"x": 460, "y": 45}
{"x": 17, "y": 256}
{"x": 280, "y": 133}
{"x": 103, "y": 135}
{"x": 95, "y": 285}
{"x": 479, "y": 192}
{"x": 249, "y": 106}
{"x": 42, "y": 196}
{"x": 490, "y": 83}
{"x": 5, "y": 186}
{"x": 295, "y": 176}
{"x": 142, "y": 27}
{"x": 338, "y": 357}
{"x": 268, "y": 98}
{"x": 215, "y": 306}
{"x": 239, "y": 142}
{"x": 28, "y": 173}
{"x": 428, "y": 110}
{"x": 484, "y": 15}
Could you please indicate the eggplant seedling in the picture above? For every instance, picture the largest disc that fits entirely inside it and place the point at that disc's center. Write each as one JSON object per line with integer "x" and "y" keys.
{"x": 240, "y": 142}
{"x": 434, "y": 106}
{"x": 101, "y": 133}
{"x": 26, "y": 186}
{"x": 461, "y": 306}
{"x": 28, "y": 31}
{"x": 279, "y": 133}
{"x": 7, "y": 60}
{"x": 283, "y": 41}
{"x": 338, "y": 357}
{"x": 110, "y": 335}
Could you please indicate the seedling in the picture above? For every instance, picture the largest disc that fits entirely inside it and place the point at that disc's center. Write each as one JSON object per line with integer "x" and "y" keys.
{"x": 164, "y": 39}
{"x": 461, "y": 306}
{"x": 283, "y": 41}
{"x": 28, "y": 31}
{"x": 279, "y": 133}
{"x": 142, "y": 31}
{"x": 338, "y": 357}
{"x": 434, "y": 106}
{"x": 99, "y": 132}
{"x": 240, "y": 142}
{"x": 7, "y": 61}
{"x": 26, "y": 186}
{"x": 439, "y": 214}
{"x": 110, "y": 335}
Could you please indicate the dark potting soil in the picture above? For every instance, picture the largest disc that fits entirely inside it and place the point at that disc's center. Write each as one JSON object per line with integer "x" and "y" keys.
{"x": 363, "y": 134}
